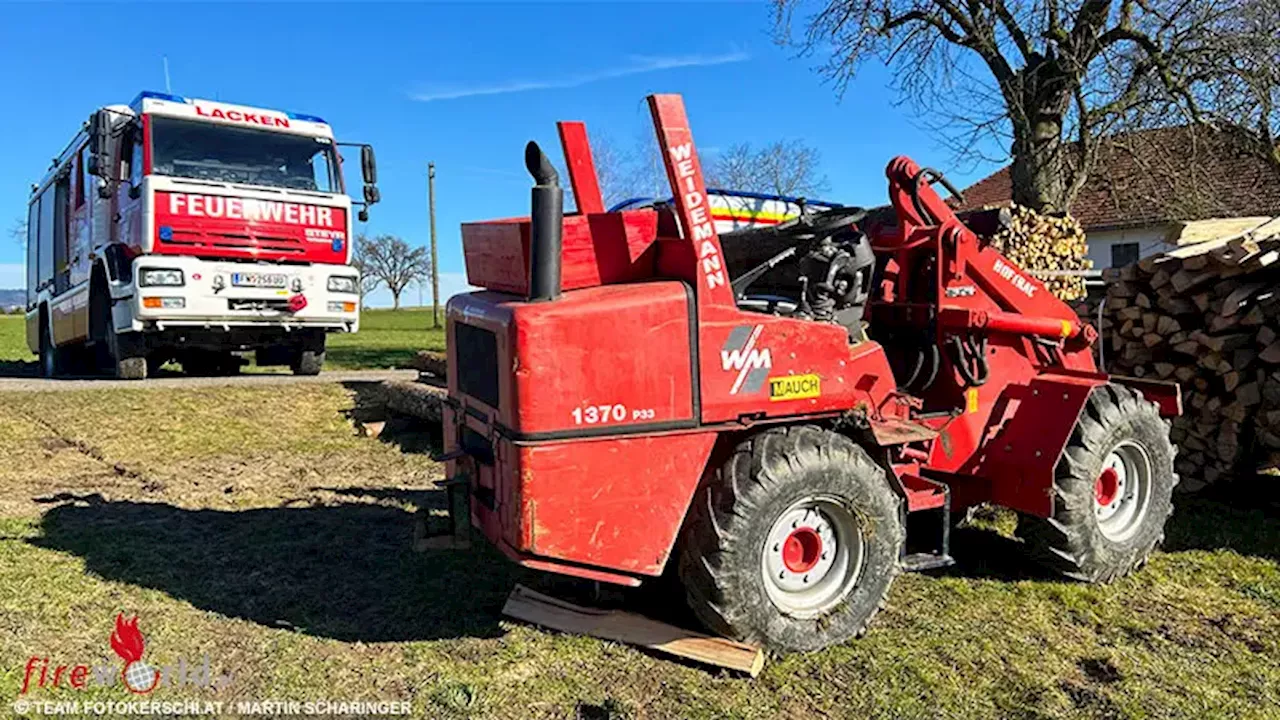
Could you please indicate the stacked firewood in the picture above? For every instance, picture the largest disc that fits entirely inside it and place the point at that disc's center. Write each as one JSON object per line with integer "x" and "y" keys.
{"x": 1208, "y": 317}
{"x": 1046, "y": 246}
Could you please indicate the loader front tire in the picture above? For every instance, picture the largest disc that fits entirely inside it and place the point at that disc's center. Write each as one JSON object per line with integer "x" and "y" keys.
{"x": 1112, "y": 493}
{"x": 794, "y": 543}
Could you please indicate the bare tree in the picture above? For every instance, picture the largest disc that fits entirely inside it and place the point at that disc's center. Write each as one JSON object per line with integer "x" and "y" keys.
{"x": 18, "y": 232}
{"x": 785, "y": 167}
{"x": 628, "y": 172}
{"x": 368, "y": 281}
{"x": 612, "y": 170}
{"x": 392, "y": 262}
{"x": 1048, "y": 78}
{"x": 1236, "y": 84}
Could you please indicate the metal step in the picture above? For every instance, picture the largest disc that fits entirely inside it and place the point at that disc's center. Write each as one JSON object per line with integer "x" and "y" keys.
{"x": 917, "y": 562}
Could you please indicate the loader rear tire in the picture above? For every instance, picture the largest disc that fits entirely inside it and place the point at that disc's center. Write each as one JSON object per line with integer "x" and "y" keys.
{"x": 794, "y": 543}
{"x": 1113, "y": 490}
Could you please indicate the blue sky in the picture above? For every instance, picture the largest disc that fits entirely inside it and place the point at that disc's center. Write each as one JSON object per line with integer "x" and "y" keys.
{"x": 464, "y": 85}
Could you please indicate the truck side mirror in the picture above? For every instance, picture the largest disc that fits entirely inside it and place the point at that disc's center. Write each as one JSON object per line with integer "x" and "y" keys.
{"x": 371, "y": 195}
{"x": 368, "y": 165}
{"x": 100, "y": 145}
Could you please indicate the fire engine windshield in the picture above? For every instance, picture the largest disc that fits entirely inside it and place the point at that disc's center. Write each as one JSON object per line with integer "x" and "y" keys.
{"x": 205, "y": 151}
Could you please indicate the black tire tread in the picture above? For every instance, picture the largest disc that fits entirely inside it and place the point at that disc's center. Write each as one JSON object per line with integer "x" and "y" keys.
{"x": 308, "y": 362}
{"x": 1063, "y": 543}
{"x": 722, "y": 507}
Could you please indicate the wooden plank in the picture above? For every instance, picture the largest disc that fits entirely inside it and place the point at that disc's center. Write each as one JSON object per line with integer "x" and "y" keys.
{"x": 620, "y": 626}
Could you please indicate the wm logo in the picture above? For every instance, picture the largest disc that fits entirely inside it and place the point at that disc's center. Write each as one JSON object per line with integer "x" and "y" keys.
{"x": 740, "y": 354}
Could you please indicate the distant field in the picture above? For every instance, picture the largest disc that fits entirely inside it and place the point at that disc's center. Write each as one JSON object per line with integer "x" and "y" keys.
{"x": 387, "y": 339}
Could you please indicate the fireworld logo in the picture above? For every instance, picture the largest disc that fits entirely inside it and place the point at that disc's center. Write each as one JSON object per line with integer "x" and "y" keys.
{"x": 137, "y": 676}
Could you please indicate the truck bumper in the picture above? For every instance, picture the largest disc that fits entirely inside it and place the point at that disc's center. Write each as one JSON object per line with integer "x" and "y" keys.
{"x": 213, "y": 295}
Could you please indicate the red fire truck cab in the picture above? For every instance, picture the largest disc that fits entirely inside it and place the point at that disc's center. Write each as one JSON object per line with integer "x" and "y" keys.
{"x": 188, "y": 230}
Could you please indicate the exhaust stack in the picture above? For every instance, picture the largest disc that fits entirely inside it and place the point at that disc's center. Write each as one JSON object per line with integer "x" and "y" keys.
{"x": 546, "y": 226}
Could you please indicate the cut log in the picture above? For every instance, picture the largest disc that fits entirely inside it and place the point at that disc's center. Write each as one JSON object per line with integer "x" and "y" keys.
{"x": 1231, "y": 380}
{"x": 619, "y": 626}
{"x": 1238, "y": 296}
{"x": 1248, "y": 395}
{"x": 1266, "y": 335}
{"x": 1271, "y": 354}
{"x": 1166, "y": 325}
{"x": 414, "y": 399}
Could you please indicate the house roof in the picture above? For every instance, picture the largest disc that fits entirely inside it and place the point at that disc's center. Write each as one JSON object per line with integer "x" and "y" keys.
{"x": 1157, "y": 176}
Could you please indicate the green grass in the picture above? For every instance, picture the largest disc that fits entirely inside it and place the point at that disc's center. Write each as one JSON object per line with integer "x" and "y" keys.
{"x": 387, "y": 339}
{"x": 253, "y": 525}
{"x": 13, "y": 340}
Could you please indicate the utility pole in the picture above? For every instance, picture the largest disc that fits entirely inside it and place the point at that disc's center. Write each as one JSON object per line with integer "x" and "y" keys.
{"x": 435, "y": 271}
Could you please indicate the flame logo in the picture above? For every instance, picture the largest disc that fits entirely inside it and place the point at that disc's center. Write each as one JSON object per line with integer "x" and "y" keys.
{"x": 127, "y": 642}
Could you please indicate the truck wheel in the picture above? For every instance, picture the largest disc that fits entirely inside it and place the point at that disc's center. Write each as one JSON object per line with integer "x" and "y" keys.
{"x": 1113, "y": 490}
{"x": 308, "y": 362}
{"x": 206, "y": 363}
{"x": 795, "y": 542}
{"x": 50, "y": 362}
{"x": 128, "y": 357}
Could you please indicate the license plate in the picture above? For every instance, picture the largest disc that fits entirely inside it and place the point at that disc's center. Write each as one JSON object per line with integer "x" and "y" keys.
{"x": 259, "y": 280}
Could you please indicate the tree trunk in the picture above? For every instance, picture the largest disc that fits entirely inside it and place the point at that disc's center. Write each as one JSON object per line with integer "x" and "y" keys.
{"x": 395, "y": 300}
{"x": 1037, "y": 172}
{"x": 1038, "y": 101}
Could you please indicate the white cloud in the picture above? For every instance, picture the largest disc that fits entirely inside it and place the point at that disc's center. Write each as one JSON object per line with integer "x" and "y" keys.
{"x": 13, "y": 276}
{"x": 637, "y": 65}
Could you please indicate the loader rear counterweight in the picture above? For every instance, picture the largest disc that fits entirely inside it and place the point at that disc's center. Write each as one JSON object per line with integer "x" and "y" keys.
{"x": 619, "y": 400}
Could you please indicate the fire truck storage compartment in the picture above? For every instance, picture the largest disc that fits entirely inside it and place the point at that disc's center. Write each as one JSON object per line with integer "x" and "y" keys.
{"x": 598, "y": 249}
{"x": 599, "y": 360}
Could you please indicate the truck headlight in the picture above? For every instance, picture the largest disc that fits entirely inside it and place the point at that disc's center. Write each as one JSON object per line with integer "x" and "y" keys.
{"x": 342, "y": 284}
{"x": 160, "y": 277}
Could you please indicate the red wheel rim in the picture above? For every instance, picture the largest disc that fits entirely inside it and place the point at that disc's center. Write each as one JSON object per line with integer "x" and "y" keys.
{"x": 802, "y": 550}
{"x": 1107, "y": 487}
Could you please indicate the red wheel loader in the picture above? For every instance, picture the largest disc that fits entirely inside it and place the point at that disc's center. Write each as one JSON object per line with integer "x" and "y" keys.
{"x": 628, "y": 393}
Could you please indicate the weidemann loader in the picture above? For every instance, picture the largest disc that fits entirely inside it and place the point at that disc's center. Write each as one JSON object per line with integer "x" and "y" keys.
{"x": 629, "y": 393}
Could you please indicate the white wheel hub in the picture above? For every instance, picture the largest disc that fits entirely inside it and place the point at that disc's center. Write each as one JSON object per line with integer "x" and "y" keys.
{"x": 1122, "y": 491}
{"x": 813, "y": 557}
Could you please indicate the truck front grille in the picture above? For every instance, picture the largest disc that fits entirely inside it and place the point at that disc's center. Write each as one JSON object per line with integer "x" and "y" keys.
{"x": 477, "y": 367}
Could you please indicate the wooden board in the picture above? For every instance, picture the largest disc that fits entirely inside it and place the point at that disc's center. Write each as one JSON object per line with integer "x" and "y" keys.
{"x": 620, "y": 626}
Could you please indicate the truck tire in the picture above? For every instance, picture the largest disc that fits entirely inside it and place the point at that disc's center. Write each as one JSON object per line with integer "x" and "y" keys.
{"x": 209, "y": 363}
{"x": 308, "y": 362}
{"x": 128, "y": 356}
{"x": 1112, "y": 493}
{"x": 795, "y": 542}
{"x": 50, "y": 358}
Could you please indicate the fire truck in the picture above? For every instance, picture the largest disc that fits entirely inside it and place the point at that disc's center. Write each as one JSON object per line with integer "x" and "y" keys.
{"x": 178, "y": 229}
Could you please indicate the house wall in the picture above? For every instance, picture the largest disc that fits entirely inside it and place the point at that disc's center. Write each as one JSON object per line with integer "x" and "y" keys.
{"x": 1151, "y": 239}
